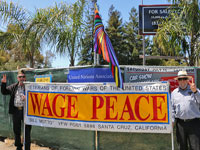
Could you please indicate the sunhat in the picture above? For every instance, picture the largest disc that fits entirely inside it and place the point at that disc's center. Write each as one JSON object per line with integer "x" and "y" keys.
{"x": 182, "y": 74}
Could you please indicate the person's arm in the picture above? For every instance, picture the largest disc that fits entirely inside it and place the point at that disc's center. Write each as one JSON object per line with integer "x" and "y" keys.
{"x": 195, "y": 90}
{"x": 173, "y": 109}
{"x": 4, "y": 89}
{"x": 197, "y": 95}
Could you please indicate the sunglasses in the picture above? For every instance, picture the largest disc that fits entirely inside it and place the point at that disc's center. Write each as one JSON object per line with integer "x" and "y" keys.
{"x": 21, "y": 76}
{"x": 182, "y": 79}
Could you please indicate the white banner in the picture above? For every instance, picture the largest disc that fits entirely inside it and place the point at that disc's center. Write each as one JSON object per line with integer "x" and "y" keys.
{"x": 140, "y": 107}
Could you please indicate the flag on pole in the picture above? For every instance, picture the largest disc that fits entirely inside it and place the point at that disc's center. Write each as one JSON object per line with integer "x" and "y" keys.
{"x": 102, "y": 45}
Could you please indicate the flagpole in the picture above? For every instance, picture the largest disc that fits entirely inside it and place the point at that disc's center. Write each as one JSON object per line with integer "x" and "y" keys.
{"x": 95, "y": 54}
{"x": 98, "y": 59}
{"x": 96, "y": 62}
{"x": 95, "y": 58}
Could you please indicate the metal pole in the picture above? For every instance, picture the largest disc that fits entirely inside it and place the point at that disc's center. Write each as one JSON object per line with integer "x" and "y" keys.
{"x": 95, "y": 54}
{"x": 96, "y": 62}
{"x": 96, "y": 140}
{"x": 24, "y": 125}
{"x": 172, "y": 136}
{"x": 143, "y": 43}
{"x": 97, "y": 59}
{"x": 24, "y": 136}
{"x": 143, "y": 46}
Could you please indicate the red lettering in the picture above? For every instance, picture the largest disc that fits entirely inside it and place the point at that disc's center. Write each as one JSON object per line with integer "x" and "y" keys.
{"x": 70, "y": 106}
{"x": 129, "y": 110}
{"x": 156, "y": 107}
{"x": 54, "y": 106}
{"x": 110, "y": 107}
{"x": 47, "y": 106}
{"x": 36, "y": 103}
{"x": 95, "y": 107}
{"x": 137, "y": 107}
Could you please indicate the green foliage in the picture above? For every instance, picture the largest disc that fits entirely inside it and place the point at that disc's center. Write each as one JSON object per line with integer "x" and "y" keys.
{"x": 7, "y": 62}
{"x": 154, "y": 62}
{"x": 12, "y": 42}
{"x": 69, "y": 29}
{"x": 86, "y": 56}
{"x": 124, "y": 37}
{"x": 132, "y": 41}
{"x": 179, "y": 35}
{"x": 62, "y": 27}
{"x": 115, "y": 33}
{"x": 174, "y": 63}
{"x": 23, "y": 47}
{"x": 47, "y": 59}
{"x": 13, "y": 14}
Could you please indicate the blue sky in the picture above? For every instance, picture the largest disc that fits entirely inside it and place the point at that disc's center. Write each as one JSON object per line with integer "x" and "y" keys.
{"x": 124, "y": 6}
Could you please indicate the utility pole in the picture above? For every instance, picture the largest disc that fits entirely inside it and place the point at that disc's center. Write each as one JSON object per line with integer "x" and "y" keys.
{"x": 143, "y": 46}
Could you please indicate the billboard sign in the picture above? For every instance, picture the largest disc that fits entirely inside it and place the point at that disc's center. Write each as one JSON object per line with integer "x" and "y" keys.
{"x": 155, "y": 74}
{"x": 150, "y": 16}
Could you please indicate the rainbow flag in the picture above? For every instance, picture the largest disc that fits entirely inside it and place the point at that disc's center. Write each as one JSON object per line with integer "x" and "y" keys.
{"x": 102, "y": 45}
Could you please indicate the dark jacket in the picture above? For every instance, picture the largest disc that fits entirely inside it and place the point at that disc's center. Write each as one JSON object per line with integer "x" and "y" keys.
{"x": 10, "y": 90}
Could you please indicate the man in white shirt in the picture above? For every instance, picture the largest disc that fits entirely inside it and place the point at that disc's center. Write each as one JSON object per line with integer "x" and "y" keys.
{"x": 186, "y": 113}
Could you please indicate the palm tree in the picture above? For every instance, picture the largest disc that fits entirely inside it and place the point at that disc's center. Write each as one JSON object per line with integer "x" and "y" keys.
{"x": 180, "y": 35}
{"x": 18, "y": 18}
{"x": 60, "y": 27}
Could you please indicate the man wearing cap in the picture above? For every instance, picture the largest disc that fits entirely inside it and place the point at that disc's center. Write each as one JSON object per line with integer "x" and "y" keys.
{"x": 185, "y": 112}
{"x": 16, "y": 104}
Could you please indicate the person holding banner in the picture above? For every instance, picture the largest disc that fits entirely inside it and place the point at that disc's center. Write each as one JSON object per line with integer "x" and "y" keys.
{"x": 186, "y": 112}
{"x": 16, "y": 104}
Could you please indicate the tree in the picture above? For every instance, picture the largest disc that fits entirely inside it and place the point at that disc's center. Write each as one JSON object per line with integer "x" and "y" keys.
{"x": 69, "y": 39}
{"x": 47, "y": 59}
{"x": 133, "y": 41}
{"x": 86, "y": 56}
{"x": 24, "y": 47}
{"x": 179, "y": 35}
{"x": 115, "y": 32}
{"x": 62, "y": 28}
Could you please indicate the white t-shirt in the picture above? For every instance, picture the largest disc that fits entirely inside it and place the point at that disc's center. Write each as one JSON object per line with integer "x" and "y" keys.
{"x": 18, "y": 101}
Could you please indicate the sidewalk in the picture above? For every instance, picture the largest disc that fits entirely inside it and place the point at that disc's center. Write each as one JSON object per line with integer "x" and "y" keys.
{"x": 8, "y": 144}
